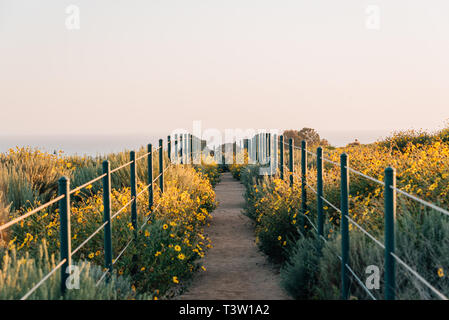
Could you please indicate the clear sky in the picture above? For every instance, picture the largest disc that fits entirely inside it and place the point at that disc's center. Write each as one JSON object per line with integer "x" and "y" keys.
{"x": 151, "y": 66}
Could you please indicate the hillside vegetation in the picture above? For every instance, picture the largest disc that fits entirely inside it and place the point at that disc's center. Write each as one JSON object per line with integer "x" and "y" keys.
{"x": 158, "y": 264}
{"x": 310, "y": 266}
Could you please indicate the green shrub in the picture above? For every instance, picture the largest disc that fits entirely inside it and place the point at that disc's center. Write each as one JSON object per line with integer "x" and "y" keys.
{"x": 299, "y": 275}
{"x": 165, "y": 258}
{"x": 18, "y": 274}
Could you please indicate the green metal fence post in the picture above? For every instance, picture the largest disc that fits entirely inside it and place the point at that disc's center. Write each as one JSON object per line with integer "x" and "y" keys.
{"x": 132, "y": 156}
{"x": 150, "y": 177}
{"x": 290, "y": 160}
{"x": 234, "y": 152}
{"x": 390, "y": 216}
{"x": 169, "y": 148}
{"x": 64, "y": 230}
{"x": 269, "y": 144}
{"x": 175, "y": 149}
{"x": 191, "y": 148}
{"x": 281, "y": 156}
{"x": 181, "y": 148}
{"x": 223, "y": 151}
{"x": 245, "y": 151}
{"x": 161, "y": 166}
{"x": 303, "y": 181}
{"x": 257, "y": 148}
{"x": 319, "y": 190}
{"x": 107, "y": 216}
{"x": 344, "y": 225}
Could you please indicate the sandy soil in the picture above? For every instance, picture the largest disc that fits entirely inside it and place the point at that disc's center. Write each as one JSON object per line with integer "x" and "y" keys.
{"x": 236, "y": 269}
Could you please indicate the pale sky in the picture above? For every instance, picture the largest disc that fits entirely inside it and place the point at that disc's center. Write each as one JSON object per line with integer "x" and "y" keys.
{"x": 152, "y": 66}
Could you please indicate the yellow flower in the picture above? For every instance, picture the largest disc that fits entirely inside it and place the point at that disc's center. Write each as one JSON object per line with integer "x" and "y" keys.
{"x": 157, "y": 253}
{"x": 172, "y": 235}
{"x": 165, "y": 227}
{"x": 173, "y": 224}
{"x": 147, "y": 233}
{"x": 177, "y": 248}
{"x": 440, "y": 272}
{"x": 175, "y": 280}
{"x": 181, "y": 256}
{"x": 97, "y": 253}
{"x": 89, "y": 187}
{"x": 203, "y": 267}
{"x": 279, "y": 238}
{"x": 91, "y": 255}
{"x": 142, "y": 269}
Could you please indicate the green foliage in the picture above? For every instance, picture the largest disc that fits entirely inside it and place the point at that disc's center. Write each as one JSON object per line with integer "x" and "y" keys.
{"x": 421, "y": 241}
{"x": 400, "y": 140}
{"x": 270, "y": 203}
{"x": 186, "y": 202}
{"x": 159, "y": 255}
{"x": 308, "y": 134}
{"x": 18, "y": 274}
{"x": 210, "y": 170}
{"x": 27, "y": 175}
{"x": 299, "y": 275}
{"x": 421, "y": 234}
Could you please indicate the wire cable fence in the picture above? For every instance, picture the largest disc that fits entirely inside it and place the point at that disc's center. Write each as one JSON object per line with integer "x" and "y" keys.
{"x": 63, "y": 199}
{"x": 390, "y": 196}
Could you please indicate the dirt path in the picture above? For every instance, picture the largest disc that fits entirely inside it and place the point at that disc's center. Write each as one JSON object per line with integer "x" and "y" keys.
{"x": 236, "y": 269}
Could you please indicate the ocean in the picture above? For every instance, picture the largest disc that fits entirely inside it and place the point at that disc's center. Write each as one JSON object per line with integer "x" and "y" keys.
{"x": 92, "y": 145}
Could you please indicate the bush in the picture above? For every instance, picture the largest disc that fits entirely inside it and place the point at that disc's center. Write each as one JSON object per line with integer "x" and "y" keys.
{"x": 27, "y": 175}
{"x": 272, "y": 204}
{"x": 209, "y": 168}
{"x": 299, "y": 275}
{"x": 19, "y": 274}
{"x": 421, "y": 236}
{"x": 184, "y": 208}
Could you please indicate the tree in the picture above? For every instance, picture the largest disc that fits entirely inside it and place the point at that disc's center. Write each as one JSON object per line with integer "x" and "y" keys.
{"x": 310, "y": 135}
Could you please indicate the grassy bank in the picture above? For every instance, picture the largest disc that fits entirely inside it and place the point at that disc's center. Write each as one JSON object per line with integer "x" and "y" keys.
{"x": 310, "y": 266}
{"x": 170, "y": 241}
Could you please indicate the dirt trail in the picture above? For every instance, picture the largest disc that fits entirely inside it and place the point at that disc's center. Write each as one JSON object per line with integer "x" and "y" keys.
{"x": 236, "y": 269}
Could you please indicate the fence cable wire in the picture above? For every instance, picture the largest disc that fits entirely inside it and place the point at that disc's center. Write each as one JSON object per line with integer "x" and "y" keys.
{"x": 87, "y": 183}
{"x": 121, "y": 167}
{"x": 123, "y": 208}
{"x": 26, "y": 215}
{"x": 102, "y": 277}
{"x": 144, "y": 155}
{"x": 419, "y": 277}
{"x": 89, "y": 238}
{"x": 37, "y": 285}
{"x": 360, "y": 282}
{"x": 423, "y": 202}
{"x": 330, "y": 204}
{"x": 114, "y": 261}
{"x": 366, "y": 232}
{"x": 122, "y": 251}
{"x": 365, "y": 176}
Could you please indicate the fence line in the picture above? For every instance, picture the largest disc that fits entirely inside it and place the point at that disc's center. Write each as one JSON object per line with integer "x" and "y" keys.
{"x": 64, "y": 202}
{"x": 390, "y": 190}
